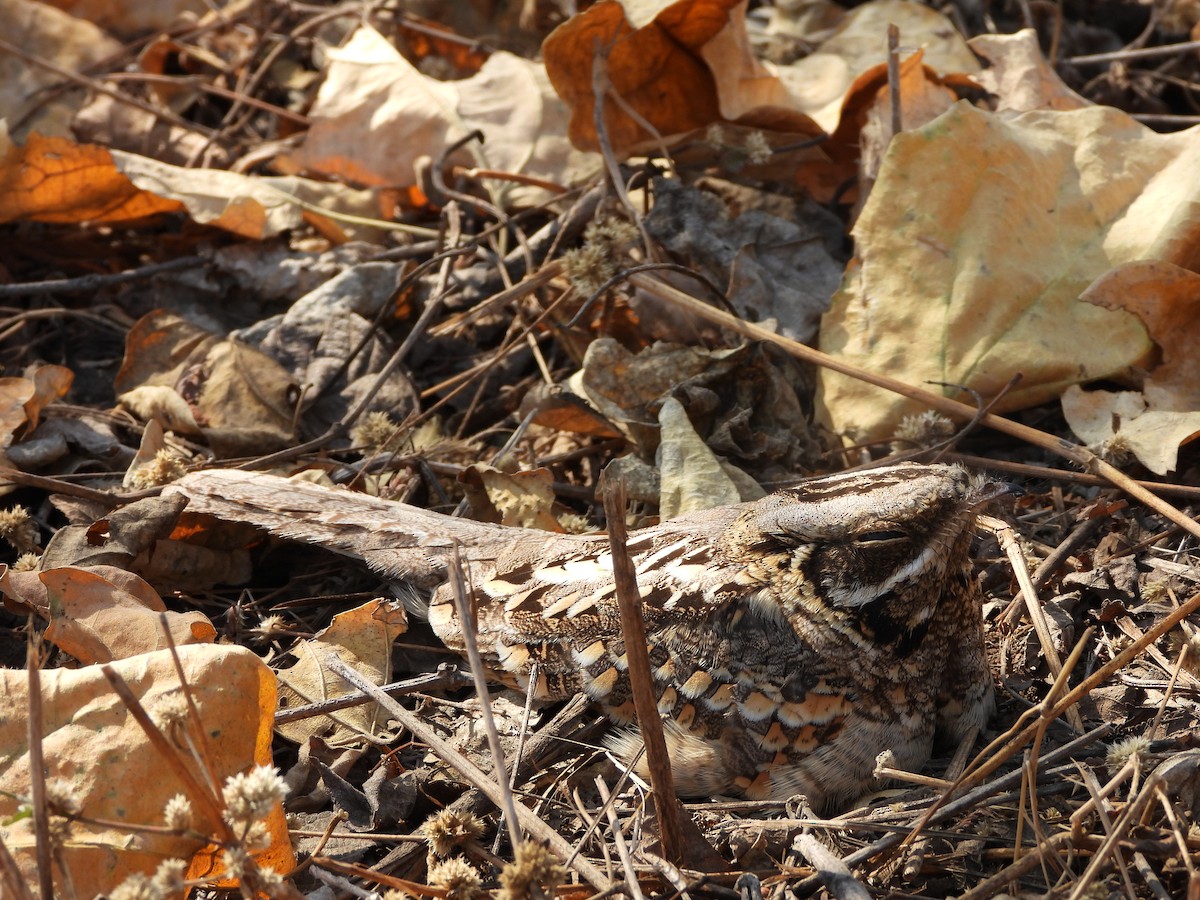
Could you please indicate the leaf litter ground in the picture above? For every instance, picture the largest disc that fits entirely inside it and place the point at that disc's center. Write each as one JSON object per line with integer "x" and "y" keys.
{"x": 460, "y": 343}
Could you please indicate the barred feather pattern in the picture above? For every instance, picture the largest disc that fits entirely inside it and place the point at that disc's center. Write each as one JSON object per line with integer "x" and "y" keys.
{"x": 791, "y": 640}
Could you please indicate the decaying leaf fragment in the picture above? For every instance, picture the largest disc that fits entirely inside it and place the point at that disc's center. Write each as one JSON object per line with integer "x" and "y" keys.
{"x": 362, "y": 638}
{"x": 237, "y": 397}
{"x": 102, "y": 613}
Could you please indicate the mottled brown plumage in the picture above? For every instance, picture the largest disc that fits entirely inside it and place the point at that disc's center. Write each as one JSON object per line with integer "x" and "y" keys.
{"x": 792, "y": 639}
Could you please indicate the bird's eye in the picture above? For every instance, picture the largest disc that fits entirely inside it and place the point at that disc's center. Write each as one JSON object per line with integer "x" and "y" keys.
{"x": 880, "y": 537}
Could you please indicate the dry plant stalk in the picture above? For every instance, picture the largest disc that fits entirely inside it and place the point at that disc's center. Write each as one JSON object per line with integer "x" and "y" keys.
{"x": 633, "y": 630}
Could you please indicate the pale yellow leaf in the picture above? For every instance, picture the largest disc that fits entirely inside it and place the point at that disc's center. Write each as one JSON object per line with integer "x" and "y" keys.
{"x": 977, "y": 241}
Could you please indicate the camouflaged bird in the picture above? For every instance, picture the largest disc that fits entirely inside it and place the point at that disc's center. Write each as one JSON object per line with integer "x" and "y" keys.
{"x": 791, "y": 639}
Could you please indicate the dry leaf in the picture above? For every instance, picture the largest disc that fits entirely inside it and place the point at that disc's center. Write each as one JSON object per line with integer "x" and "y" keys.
{"x": 50, "y": 383}
{"x": 240, "y": 398}
{"x": 14, "y": 394}
{"x": 134, "y": 17}
{"x": 523, "y": 499}
{"x": 376, "y": 115}
{"x": 361, "y": 638}
{"x": 692, "y": 476}
{"x": 1019, "y": 76}
{"x": 74, "y": 43}
{"x": 680, "y": 66}
{"x": 775, "y": 268}
{"x": 1166, "y": 298}
{"x": 56, "y": 180}
{"x": 91, "y": 740}
{"x": 1154, "y": 423}
{"x": 976, "y": 243}
{"x": 1115, "y": 423}
{"x": 102, "y": 613}
{"x": 822, "y": 83}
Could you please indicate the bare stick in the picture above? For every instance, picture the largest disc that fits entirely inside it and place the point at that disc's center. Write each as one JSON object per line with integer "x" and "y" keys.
{"x": 633, "y": 631}
{"x": 466, "y": 615}
{"x": 37, "y": 765}
{"x": 893, "y": 71}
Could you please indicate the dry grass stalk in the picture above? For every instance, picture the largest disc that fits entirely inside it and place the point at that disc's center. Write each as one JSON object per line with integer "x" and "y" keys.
{"x": 466, "y": 615}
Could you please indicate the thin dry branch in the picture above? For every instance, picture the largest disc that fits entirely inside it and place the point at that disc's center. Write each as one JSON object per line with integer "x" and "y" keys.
{"x": 633, "y": 630}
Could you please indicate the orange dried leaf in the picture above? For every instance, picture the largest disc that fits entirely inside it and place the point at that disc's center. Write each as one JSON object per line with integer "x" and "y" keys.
{"x": 14, "y": 394}
{"x": 654, "y": 65}
{"x": 115, "y": 614}
{"x": 50, "y": 383}
{"x": 56, "y": 180}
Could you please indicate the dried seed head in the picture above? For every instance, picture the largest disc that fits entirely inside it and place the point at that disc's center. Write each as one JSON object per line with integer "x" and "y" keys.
{"x": 1185, "y": 637}
{"x": 604, "y": 245}
{"x": 375, "y": 432}
{"x": 269, "y": 628}
{"x": 18, "y": 529}
{"x": 588, "y": 267}
{"x": 921, "y": 430}
{"x": 137, "y": 887}
{"x": 449, "y": 830}
{"x": 63, "y": 797}
{"x": 457, "y": 878}
{"x": 171, "y": 877}
{"x": 250, "y": 796}
{"x": 27, "y": 562}
{"x": 171, "y": 712}
{"x": 167, "y": 466}
{"x": 533, "y": 874}
{"x": 237, "y": 861}
{"x": 1134, "y": 748}
{"x": 714, "y": 136}
{"x": 758, "y": 151}
{"x": 178, "y": 813}
{"x": 1116, "y": 450}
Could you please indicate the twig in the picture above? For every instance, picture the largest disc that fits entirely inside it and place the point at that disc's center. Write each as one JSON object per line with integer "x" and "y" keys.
{"x": 451, "y": 678}
{"x": 1026, "y": 470}
{"x": 967, "y": 801}
{"x": 466, "y": 615}
{"x": 614, "y": 823}
{"x": 94, "y": 282}
{"x": 476, "y": 776}
{"x": 893, "y": 73}
{"x": 1143, "y": 53}
{"x": 37, "y": 763}
{"x": 197, "y": 792}
{"x": 100, "y": 88}
{"x": 1082, "y": 532}
{"x": 1007, "y": 537}
{"x": 633, "y": 632}
{"x": 831, "y": 869}
{"x": 10, "y": 877}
